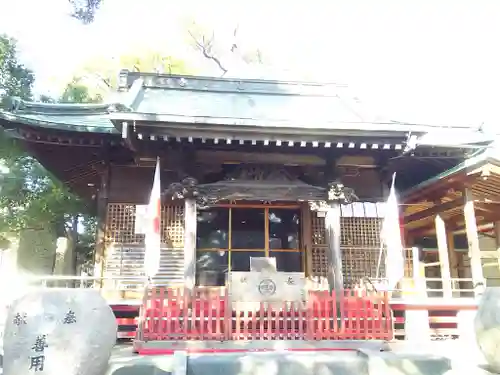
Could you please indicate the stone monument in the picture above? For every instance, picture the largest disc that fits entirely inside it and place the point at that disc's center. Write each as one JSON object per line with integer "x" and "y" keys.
{"x": 487, "y": 327}
{"x": 59, "y": 331}
{"x": 265, "y": 284}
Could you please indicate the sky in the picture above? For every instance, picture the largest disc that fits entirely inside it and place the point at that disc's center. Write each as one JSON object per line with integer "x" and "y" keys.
{"x": 415, "y": 61}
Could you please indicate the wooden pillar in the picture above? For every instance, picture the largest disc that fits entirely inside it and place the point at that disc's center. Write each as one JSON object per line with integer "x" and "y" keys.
{"x": 102, "y": 208}
{"x": 497, "y": 241}
{"x": 473, "y": 242}
{"x": 189, "y": 243}
{"x": 307, "y": 239}
{"x": 417, "y": 321}
{"x": 334, "y": 255}
{"x": 419, "y": 282}
{"x": 454, "y": 264}
{"x": 444, "y": 261}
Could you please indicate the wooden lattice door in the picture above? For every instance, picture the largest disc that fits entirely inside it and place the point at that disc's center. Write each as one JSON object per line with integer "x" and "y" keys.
{"x": 360, "y": 245}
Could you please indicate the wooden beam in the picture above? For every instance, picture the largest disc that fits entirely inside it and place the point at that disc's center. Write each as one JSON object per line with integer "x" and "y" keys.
{"x": 440, "y": 188}
{"x": 490, "y": 208}
{"x": 473, "y": 241}
{"x": 454, "y": 224}
{"x": 497, "y": 241}
{"x": 433, "y": 211}
{"x": 221, "y": 157}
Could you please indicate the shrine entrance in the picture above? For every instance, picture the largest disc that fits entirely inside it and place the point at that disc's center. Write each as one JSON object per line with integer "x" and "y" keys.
{"x": 230, "y": 235}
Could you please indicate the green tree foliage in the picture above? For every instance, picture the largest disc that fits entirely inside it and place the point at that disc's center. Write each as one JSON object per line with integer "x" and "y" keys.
{"x": 30, "y": 197}
{"x": 15, "y": 79}
{"x": 77, "y": 92}
{"x": 99, "y": 77}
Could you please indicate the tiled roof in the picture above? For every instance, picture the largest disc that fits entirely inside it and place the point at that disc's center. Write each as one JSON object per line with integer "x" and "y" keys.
{"x": 79, "y": 118}
{"x": 198, "y": 101}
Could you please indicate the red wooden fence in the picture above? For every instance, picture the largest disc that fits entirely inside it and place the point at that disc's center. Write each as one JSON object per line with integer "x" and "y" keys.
{"x": 172, "y": 314}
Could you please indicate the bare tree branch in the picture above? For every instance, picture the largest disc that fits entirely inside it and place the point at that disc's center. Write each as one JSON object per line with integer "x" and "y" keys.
{"x": 100, "y": 77}
{"x": 205, "y": 47}
{"x": 259, "y": 56}
{"x": 234, "y": 47}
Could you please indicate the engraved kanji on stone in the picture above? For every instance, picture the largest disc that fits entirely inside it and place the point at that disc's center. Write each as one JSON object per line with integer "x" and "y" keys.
{"x": 290, "y": 281}
{"x": 19, "y": 319}
{"x": 37, "y": 362}
{"x": 40, "y": 344}
{"x": 70, "y": 317}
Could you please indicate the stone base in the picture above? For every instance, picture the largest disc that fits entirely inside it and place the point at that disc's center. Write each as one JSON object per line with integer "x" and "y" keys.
{"x": 417, "y": 325}
{"x": 356, "y": 362}
{"x": 218, "y": 347}
{"x": 487, "y": 327}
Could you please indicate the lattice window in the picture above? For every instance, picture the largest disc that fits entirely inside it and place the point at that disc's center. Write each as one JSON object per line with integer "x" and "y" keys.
{"x": 319, "y": 261}
{"x": 120, "y": 225}
{"x": 318, "y": 230}
{"x": 125, "y": 249}
{"x": 360, "y": 245}
{"x": 360, "y": 232}
{"x": 172, "y": 219}
{"x": 359, "y": 262}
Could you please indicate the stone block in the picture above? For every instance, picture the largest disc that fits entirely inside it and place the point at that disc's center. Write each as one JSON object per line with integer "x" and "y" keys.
{"x": 59, "y": 331}
{"x": 487, "y": 327}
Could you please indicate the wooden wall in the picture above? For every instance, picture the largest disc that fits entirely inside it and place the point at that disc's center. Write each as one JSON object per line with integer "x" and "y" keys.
{"x": 133, "y": 184}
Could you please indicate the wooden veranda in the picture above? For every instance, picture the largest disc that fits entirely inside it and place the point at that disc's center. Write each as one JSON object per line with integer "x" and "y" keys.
{"x": 464, "y": 200}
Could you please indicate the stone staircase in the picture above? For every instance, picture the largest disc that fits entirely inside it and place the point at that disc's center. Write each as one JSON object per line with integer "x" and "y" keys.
{"x": 127, "y": 261}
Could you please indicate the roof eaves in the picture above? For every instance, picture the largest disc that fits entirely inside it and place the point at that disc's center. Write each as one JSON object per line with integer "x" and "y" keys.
{"x": 19, "y": 106}
{"x": 376, "y": 127}
{"x": 37, "y": 122}
{"x": 476, "y": 159}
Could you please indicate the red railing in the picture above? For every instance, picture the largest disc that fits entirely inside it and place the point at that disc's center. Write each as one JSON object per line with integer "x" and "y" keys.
{"x": 173, "y": 314}
{"x": 444, "y": 321}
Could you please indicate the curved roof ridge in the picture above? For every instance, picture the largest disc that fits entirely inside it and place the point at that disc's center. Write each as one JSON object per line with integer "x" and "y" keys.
{"x": 145, "y": 75}
{"x": 20, "y": 107}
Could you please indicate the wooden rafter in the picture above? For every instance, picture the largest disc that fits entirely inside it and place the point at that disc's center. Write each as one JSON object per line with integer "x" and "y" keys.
{"x": 439, "y": 188}
{"x": 433, "y": 211}
{"x": 455, "y": 223}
